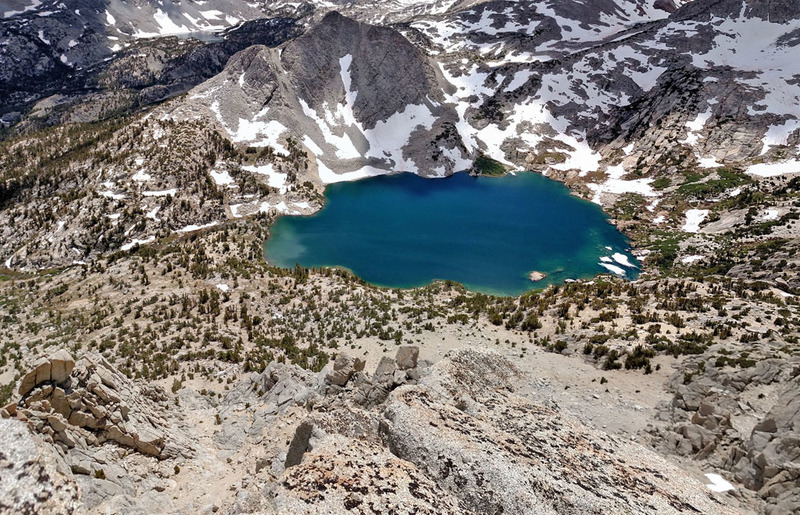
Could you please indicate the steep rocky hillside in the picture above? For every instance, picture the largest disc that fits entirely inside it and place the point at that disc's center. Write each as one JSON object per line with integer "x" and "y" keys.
{"x": 51, "y": 76}
{"x": 642, "y": 361}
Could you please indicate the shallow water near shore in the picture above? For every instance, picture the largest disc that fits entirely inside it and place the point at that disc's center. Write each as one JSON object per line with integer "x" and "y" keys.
{"x": 487, "y": 233}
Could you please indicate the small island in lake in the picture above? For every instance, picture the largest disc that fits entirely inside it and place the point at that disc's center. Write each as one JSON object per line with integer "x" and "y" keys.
{"x": 537, "y": 276}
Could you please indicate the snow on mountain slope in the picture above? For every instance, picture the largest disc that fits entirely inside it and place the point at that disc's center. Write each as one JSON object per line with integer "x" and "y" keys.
{"x": 526, "y": 101}
{"x": 609, "y": 99}
{"x": 138, "y": 18}
{"x": 47, "y": 41}
{"x": 359, "y": 97}
{"x": 526, "y": 84}
{"x": 14, "y": 7}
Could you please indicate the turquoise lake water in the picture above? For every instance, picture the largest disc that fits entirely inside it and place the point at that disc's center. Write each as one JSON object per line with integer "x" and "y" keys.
{"x": 487, "y": 233}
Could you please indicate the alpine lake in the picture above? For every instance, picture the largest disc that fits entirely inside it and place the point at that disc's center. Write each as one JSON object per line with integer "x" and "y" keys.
{"x": 488, "y": 233}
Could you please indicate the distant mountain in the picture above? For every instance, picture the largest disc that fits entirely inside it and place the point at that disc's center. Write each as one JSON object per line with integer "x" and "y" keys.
{"x": 361, "y": 98}
{"x": 527, "y": 84}
{"x": 61, "y": 46}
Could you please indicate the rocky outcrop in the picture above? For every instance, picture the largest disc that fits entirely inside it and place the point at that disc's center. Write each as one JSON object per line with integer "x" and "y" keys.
{"x": 343, "y": 369}
{"x": 83, "y": 404}
{"x": 714, "y": 420}
{"x": 769, "y": 461}
{"x": 344, "y": 475}
{"x": 34, "y": 478}
{"x": 56, "y": 369}
{"x": 497, "y": 452}
{"x": 452, "y": 437}
{"x": 368, "y": 391}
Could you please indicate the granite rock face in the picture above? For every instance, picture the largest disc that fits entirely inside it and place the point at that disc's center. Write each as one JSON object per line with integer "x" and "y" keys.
{"x": 83, "y": 404}
{"x": 768, "y": 460}
{"x": 34, "y": 478}
{"x": 55, "y": 368}
{"x": 361, "y": 98}
{"x": 459, "y": 440}
{"x": 498, "y": 453}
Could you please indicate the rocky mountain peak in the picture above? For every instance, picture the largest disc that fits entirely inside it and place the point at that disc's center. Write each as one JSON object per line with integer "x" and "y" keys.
{"x": 362, "y": 100}
{"x": 386, "y": 71}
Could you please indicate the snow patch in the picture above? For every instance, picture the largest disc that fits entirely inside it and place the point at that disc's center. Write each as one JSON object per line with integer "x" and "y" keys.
{"x": 622, "y": 259}
{"x": 779, "y": 134}
{"x": 275, "y": 179}
{"x": 774, "y": 169}
{"x": 718, "y": 483}
{"x": 310, "y": 145}
{"x": 695, "y": 126}
{"x": 112, "y": 195}
{"x": 141, "y": 176}
{"x": 694, "y": 217}
{"x": 328, "y": 176}
{"x": 191, "y": 228}
{"x": 708, "y": 162}
{"x": 221, "y": 177}
{"x": 613, "y": 268}
{"x": 134, "y": 242}
{"x": 616, "y": 185}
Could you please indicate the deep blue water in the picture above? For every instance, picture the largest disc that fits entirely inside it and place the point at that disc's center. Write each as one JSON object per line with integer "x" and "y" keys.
{"x": 487, "y": 233}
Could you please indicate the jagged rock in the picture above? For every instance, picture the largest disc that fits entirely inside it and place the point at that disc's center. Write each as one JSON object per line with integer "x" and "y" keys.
{"x": 343, "y": 368}
{"x": 406, "y": 357}
{"x": 57, "y": 422}
{"x": 768, "y": 460}
{"x": 698, "y": 436}
{"x": 763, "y": 460}
{"x": 61, "y": 365}
{"x": 467, "y": 444}
{"x": 94, "y": 400}
{"x": 280, "y": 385}
{"x": 384, "y": 372}
{"x": 55, "y": 368}
{"x": 343, "y": 475}
{"x": 34, "y": 478}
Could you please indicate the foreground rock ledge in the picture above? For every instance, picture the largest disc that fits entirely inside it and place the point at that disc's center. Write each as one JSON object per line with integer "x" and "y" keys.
{"x": 467, "y": 444}
{"x": 409, "y": 438}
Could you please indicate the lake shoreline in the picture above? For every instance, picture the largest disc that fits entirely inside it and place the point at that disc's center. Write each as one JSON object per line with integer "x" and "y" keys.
{"x": 480, "y": 228}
